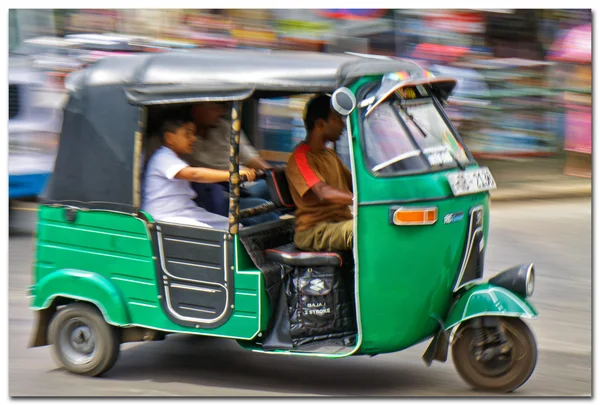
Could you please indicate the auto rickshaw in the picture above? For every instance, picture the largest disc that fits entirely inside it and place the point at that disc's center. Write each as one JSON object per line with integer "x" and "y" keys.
{"x": 106, "y": 272}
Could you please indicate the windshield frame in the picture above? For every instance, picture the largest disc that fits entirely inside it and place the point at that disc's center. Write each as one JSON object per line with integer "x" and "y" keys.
{"x": 361, "y": 111}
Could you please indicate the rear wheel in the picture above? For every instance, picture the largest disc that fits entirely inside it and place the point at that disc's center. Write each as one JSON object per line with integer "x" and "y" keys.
{"x": 82, "y": 341}
{"x": 504, "y": 372}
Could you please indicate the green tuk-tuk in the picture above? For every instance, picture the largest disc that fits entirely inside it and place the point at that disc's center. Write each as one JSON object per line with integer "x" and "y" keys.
{"x": 107, "y": 273}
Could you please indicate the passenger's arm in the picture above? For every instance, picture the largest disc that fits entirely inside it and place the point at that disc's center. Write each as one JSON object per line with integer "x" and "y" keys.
{"x": 331, "y": 194}
{"x": 206, "y": 175}
{"x": 249, "y": 156}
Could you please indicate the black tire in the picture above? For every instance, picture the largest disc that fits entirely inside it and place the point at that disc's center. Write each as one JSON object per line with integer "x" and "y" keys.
{"x": 514, "y": 373}
{"x": 82, "y": 341}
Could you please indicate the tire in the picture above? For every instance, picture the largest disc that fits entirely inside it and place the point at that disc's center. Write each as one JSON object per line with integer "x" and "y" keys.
{"x": 513, "y": 372}
{"x": 82, "y": 341}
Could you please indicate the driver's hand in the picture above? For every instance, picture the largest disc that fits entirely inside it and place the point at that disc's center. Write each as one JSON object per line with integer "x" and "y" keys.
{"x": 250, "y": 174}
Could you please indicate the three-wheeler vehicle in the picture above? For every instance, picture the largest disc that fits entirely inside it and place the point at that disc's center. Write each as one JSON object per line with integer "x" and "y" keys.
{"x": 107, "y": 273}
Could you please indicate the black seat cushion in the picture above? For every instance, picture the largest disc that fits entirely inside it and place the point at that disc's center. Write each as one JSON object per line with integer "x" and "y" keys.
{"x": 292, "y": 256}
{"x": 279, "y": 188}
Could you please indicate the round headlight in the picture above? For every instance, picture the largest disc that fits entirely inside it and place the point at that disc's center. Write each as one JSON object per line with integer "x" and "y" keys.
{"x": 530, "y": 281}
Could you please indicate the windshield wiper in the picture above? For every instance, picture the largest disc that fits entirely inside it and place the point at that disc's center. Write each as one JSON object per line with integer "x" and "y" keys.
{"x": 396, "y": 159}
{"x": 425, "y": 134}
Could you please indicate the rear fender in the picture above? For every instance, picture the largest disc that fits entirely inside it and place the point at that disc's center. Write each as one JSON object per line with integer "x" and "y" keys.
{"x": 81, "y": 285}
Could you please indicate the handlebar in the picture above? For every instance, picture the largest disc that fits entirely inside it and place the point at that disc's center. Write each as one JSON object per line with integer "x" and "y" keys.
{"x": 260, "y": 174}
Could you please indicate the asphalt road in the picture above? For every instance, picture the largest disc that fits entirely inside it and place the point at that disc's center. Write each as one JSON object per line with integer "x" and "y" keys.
{"x": 556, "y": 235}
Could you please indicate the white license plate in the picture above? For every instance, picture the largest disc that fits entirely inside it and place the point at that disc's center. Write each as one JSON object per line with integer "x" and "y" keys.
{"x": 471, "y": 181}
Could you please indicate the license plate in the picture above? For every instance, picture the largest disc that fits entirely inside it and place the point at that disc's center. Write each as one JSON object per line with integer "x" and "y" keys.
{"x": 471, "y": 181}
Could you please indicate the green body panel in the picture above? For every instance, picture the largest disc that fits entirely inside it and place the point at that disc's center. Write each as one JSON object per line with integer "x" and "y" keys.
{"x": 489, "y": 299}
{"x": 406, "y": 274}
{"x": 103, "y": 255}
{"x": 245, "y": 265}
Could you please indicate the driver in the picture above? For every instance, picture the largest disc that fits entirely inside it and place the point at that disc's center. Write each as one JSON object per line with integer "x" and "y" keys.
{"x": 320, "y": 184}
{"x": 212, "y": 150}
{"x": 168, "y": 195}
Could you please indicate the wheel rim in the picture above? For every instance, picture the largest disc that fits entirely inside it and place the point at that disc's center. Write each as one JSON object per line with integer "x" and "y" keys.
{"x": 501, "y": 364}
{"x": 495, "y": 367}
{"x": 77, "y": 341}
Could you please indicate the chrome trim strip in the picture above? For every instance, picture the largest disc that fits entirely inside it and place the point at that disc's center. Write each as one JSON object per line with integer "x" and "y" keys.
{"x": 470, "y": 239}
{"x": 244, "y": 316}
{"x": 132, "y": 281}
{"x": 177, "y": 224}
{"x": 355, "y": 247}
{"x": 142, "y": 305}
{"x": 193, "y": 243}
{"x": 197, "y": 310}
{"x": 189, "y": 287}
{"x": 225, "y": 265}
{"x": 194, "y": 265}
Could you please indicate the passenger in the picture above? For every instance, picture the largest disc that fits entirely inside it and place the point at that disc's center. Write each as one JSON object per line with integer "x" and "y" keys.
{"x": 212, "y": 151}
{"x": 167, "y": 194}
{"x": 320, "y": 184}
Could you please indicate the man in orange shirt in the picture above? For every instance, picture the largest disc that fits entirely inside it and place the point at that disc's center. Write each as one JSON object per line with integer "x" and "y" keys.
{"x": 320, "y": 184}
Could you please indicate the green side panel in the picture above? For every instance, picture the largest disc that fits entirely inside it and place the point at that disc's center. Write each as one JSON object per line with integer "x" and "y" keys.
{"x": 116, "y": 249}
{"x": 489, "y": 299}
{"x": 406, "y": 273}
{"x": 245, "y": 265}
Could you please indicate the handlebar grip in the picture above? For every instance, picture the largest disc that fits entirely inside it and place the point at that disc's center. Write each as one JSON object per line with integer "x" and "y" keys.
{"x": 260, "y": 174}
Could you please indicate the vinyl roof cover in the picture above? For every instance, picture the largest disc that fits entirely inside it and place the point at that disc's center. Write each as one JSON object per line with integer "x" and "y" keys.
{"x": 234, "y": 70}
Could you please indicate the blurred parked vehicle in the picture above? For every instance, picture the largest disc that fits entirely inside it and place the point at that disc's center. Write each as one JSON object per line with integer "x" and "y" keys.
{"x": 34, "y": 121}
{"x": 52, "y": 53}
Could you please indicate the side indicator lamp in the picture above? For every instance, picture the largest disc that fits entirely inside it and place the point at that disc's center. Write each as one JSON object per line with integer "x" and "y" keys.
{"x": 413, "y": 216}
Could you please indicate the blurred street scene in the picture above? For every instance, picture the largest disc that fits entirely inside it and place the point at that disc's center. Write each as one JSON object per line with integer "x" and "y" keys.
{"x": 522, "y": 105}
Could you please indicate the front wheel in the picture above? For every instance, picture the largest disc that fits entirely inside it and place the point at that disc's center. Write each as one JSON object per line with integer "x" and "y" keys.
{"x": 82, "y": 341}
{"x": 504, "y": 372}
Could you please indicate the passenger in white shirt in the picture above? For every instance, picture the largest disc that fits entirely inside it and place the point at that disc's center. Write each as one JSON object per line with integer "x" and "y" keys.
{"x": 168, "y": 195}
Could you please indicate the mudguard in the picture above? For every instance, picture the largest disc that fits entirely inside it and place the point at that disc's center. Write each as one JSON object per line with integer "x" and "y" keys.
{"x": 481, "y": 300}
{"x": 81, "y": 285}
{"x": 488, "y": 299}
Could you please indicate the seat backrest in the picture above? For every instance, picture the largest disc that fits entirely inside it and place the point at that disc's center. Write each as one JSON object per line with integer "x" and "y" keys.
{"x": 279, "y": 188}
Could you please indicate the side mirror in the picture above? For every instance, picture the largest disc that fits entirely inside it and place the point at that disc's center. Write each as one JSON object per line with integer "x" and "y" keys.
{"x": 343, "y": 101}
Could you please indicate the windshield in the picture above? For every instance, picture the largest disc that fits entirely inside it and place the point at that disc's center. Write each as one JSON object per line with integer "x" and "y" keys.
{"x": 427, "y": 145}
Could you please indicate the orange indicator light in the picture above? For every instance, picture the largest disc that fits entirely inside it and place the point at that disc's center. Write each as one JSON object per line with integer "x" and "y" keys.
{"x": 415, "y": 216}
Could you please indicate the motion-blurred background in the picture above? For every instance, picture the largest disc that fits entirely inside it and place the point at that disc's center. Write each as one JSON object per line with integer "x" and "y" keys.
{"x": 523, "y": 103}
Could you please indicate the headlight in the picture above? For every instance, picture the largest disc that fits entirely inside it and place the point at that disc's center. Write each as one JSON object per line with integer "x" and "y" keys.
{"x": 530, "y": 281}
{"x": 518, "y": 279}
